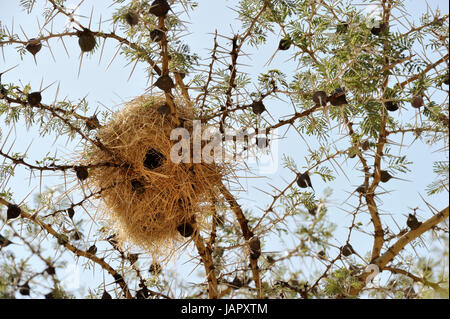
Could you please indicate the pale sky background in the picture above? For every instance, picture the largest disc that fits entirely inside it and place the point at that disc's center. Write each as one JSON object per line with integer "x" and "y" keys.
{"x": 111, "y": 88}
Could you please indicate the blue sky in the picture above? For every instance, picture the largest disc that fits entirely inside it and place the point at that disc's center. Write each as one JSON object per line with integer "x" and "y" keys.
{"x": 111, "y": 88}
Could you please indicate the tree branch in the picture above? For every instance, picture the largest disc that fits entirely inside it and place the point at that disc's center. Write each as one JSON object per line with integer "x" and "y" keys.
{"x": 81, "y": 253}
{"x": 395, "y": 249}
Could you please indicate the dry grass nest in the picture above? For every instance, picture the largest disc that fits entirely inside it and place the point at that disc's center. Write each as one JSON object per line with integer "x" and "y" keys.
{"x": 151, "y": 201}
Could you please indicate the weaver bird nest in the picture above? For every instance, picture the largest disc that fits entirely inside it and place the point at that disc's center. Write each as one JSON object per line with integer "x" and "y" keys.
{"x": 151, "y": 201}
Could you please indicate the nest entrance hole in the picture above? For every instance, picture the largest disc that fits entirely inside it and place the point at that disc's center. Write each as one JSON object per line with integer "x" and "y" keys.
{"x": 153, "y": 159}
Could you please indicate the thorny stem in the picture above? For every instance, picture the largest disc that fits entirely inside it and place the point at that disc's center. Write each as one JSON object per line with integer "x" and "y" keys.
{"x": 65, "y": 121}
{"x": 237, "y": 43}
{"x": 395, "y": 249}
{"x": 247, "y": 233}
{"x": 424, "y": 71}
{"x": 441, "y": 19}
{"x": 433, "y": 285}
{"x": 184, "y": 90}
{"x": 231, "y": 85}
{"x": 282, "y": 192}
{"x": 138, "y": 273}
{"x": 114, "y": 36}
{"x": 165, "y": 68}
{"x": 226, "y": 112}
{"x": 143, "y": 54}
{"x": 210, "y": 73}
{"x": 205, "y": 254}
{"x": 53, "y": 168}
{"x": 370, "y": 199}
{"x": 370, "y": 196}
{"x": 213, "y": 235}
{"x": 81, "y": 253}
{"x": 79, "y": 203}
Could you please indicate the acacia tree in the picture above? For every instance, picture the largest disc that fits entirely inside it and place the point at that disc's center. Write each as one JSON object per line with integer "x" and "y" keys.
{"x": 362, "y": 85}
